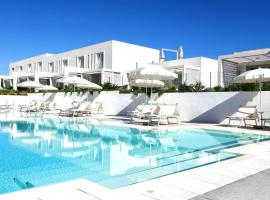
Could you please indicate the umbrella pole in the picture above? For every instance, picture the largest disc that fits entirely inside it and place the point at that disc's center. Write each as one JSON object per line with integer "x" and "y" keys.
{"x": 151, "y": 92}
{"x": 260, "y": 96}
{"x": 30, "y": 96}
{"x": 73, "y": 94}
{"x": 146, "y": 93}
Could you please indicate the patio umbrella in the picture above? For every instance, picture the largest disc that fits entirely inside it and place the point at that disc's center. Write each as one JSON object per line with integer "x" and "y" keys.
{"x": 254, "y": 76}
{"x": 146, "y": 83}
{"x": 48, "y": 88}
{"x": 152, "y": 72}
{"x": 30, "y": 85}
{"x": 90, "y": 86}
{"x": 75, "y": 81}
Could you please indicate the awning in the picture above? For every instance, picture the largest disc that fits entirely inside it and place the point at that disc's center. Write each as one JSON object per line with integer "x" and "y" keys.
{"x": 249, "y": 58}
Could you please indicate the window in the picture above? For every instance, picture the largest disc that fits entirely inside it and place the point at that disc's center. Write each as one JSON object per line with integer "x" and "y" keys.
{"x": 39, "y": 66}
{"x": 99, "y": 60}
{"x": 21, "y": 68}
{"x": 12, "y": 69}
{"x": 51, "y": 67}
{"x": 29, "y": 67}
{"x": 80, "y": 62}
{"x": 65, "y": 63}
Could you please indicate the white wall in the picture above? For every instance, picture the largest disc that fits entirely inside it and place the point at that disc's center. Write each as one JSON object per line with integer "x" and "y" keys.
{"x": 125, "y": 56}
{"x": 191, "y": 66}
{"x": 209, "y": 66}
{"x": 113, "y": 102}
{"x": 194, "y": 62}
{"x": 207, "y": 107}
{"x": 214, "y": 107}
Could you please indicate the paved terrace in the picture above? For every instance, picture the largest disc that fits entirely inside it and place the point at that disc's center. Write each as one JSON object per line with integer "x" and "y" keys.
{"x": 244, "y": 177}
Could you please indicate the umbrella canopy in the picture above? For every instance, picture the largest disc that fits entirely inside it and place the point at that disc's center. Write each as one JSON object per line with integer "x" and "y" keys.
{"x": 253, "y": 76}
{"x": 152, "y": 72}
{"x": 29, "y": 84}
{"x": 73, "y": 80}
{"x": 48, "y": 87}
{"x": 90, "y": 85}
{"x": 146, "y": 83}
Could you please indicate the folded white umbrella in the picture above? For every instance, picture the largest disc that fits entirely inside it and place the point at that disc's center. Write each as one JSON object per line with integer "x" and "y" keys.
{"x": 146, "y": 83}
{"x": 254, "y": 76}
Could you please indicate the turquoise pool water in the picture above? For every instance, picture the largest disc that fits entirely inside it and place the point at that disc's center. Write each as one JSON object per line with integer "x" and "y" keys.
{"x": 42, "y": 152}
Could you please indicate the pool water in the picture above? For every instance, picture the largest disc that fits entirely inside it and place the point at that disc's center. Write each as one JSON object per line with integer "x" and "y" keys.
{"x": 43, "y": 151}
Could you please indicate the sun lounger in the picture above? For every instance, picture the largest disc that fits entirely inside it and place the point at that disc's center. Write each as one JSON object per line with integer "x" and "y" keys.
{"x": 69, "y": 112}
{"x": 164, "y": 112}
{"x": 83, "y": 110}
{"x": 265, "y": 120}
{"x": 137, "y": 110}
{"x": 96, "y": 108}
{"x": 243, "y": 114}
{"x": 139, "y": 116}
{"x": 34, "y": 107}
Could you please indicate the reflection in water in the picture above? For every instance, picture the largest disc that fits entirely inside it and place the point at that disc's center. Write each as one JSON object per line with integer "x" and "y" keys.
{"x": 55, "y": 150}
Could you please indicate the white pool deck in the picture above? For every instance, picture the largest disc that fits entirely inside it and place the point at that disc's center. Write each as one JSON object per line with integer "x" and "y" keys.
{"x": 180, "y": 186}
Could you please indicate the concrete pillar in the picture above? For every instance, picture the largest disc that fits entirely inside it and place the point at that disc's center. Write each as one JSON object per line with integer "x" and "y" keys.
{"x": 15, "y": 80}
{"x": 36, "y": 77}
{"x": 51, "y": 84}
{"x": 66, "y": 72}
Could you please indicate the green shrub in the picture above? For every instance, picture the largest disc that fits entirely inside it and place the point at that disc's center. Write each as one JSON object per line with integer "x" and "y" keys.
{"x": 198, "y": 87}
{"x": 171, "y": 88}
{"x": 110, "y": 87}
{"x": 185, "y": 88}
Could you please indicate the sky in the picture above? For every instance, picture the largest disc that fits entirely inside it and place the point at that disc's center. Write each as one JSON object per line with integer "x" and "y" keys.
{"x": 203, "y": 27}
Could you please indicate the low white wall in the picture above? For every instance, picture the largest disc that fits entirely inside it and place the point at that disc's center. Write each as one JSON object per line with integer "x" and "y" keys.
{"x": 213, "y": 107}
{"x": 207, "y": 107}
{"x": 113, "y": 102}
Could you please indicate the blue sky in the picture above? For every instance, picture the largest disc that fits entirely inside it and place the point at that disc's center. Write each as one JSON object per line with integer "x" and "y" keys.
{"x": 203, "y": 27}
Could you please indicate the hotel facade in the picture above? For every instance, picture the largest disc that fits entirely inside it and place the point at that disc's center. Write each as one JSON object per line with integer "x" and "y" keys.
{"x": 111, "y": 62}
{"x": 100, "y": 63}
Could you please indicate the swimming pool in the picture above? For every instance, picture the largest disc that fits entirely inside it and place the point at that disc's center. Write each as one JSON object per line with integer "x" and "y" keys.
{"x": 44, "y": 151}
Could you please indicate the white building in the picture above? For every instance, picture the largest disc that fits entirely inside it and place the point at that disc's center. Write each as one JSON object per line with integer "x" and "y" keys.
{"x": 234, "y": 64}
{"x": 100, "y": 63}
{"x": 109, "y": 62}
{"x": 192, "y": 70}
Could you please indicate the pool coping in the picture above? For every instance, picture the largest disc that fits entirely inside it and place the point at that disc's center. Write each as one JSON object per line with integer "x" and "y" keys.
{"x": 183, "y": 185}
